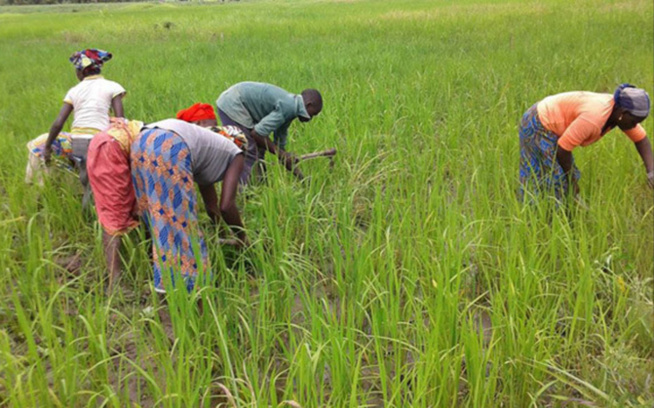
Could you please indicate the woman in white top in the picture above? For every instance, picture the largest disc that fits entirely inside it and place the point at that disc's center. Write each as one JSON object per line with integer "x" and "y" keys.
{"x": 90, "y": 102}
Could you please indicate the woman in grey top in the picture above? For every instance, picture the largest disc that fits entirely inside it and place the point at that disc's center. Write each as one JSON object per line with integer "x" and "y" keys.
{"x": 167, "y": 158}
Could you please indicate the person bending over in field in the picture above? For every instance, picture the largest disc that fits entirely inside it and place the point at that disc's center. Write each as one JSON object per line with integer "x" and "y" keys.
{"x": 90, "y": 102}
{"x": 202, "y": 114}
{"x": 260, "y": 109}
{"x": 167, "y": 158}
{"x": 109, "y": 173}
{"x": 553, "y": 127}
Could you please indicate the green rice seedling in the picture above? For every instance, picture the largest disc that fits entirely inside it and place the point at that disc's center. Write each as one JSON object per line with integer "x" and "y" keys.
{"x": 408, "y": 274}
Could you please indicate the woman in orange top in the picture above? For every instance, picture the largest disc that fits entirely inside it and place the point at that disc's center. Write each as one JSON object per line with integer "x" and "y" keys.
{"x": 553, "y": 127}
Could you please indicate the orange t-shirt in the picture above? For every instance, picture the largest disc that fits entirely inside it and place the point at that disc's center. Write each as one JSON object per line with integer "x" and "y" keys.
{"x": 577, "y": 118}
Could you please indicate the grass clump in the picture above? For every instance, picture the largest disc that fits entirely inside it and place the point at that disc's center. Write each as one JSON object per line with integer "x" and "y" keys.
{"x": 406, "y": 275}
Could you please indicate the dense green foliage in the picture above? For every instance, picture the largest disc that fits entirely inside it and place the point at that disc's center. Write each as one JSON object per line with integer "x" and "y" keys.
{"x": 406, "y": 275}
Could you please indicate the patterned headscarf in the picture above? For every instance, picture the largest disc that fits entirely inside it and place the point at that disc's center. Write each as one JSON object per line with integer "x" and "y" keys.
{"x": 232, "y": 133}
{"x": 633, "y": 100}
{"x": 90, "y": 57}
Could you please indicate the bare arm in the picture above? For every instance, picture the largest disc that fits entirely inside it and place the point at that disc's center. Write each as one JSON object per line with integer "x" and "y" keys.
{"x": 117, "y": 105}
{"x": 564, "y": 158}
{"x": 55, "y": 129}
{"x": 645, "y": 151}
{"x": 228, "y": 208}
{"x": 210, "y": 199}
{"x": 295, "y": 169}
{"x": 288, "y": 160}
{"x": 263, "y": 141}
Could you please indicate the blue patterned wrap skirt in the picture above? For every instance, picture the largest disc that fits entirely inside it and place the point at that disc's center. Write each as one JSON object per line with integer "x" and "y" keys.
{"x": 540, "y": 173}
{"x": 167, "y": 201}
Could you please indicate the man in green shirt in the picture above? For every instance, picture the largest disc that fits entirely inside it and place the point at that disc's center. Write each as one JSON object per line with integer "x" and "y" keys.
{"x": 260, "y": 109}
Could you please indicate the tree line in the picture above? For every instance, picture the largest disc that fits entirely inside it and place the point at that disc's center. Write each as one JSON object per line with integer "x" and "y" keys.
{"x": 37, "y": 2}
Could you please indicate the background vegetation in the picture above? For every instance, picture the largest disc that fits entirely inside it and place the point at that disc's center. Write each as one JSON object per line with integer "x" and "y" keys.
{"x": 406, "y": 275}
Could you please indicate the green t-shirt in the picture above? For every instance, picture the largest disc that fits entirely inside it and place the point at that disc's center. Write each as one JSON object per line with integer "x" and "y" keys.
{"x": 263, "y": 107}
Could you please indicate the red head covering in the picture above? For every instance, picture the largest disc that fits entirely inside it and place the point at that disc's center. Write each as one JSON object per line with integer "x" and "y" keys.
{"x": 199, "y": 111}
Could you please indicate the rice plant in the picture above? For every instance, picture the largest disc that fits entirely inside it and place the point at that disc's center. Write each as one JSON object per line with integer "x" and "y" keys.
{"x": 408, "y": 274}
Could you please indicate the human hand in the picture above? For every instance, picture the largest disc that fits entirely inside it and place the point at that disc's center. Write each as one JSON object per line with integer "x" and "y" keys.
{"x": 575, "y": 189}
{"x": 239, "y": 243}
{"x": 242, "y": 242}
{"x": 289, "y": 159}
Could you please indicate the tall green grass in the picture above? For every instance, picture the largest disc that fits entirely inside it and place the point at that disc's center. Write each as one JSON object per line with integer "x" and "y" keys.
{"x": 406, "y": 275}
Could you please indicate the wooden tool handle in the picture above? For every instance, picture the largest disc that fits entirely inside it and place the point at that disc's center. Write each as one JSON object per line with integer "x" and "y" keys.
{"x": 324, "y": 153}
